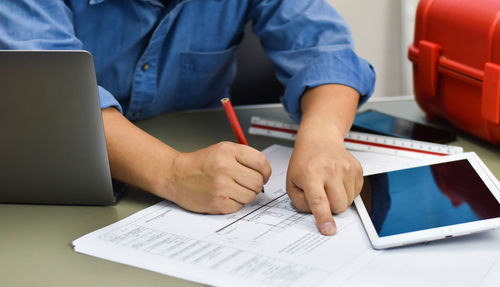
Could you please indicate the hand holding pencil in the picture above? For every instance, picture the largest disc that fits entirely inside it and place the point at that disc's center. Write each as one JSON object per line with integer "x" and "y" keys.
{"x": 219, "y": 179}
{"x": 233, "y": 121}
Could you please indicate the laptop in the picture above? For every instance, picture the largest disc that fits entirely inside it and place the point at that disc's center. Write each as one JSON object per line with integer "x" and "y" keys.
{"x": 52, "y": 145}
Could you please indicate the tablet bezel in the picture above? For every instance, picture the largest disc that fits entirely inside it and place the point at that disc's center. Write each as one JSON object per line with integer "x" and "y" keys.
{"x": 437, "y": 233}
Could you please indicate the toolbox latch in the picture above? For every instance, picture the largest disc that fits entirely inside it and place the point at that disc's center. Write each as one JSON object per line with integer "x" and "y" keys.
{"x": 490, "y": 101}
{"x": 427, "y": 66}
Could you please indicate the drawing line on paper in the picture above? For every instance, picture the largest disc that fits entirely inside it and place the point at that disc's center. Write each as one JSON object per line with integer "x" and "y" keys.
{"x": 262, "y": 206}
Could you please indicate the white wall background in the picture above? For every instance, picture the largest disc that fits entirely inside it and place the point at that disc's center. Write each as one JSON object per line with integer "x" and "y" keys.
{"x": 382, "y": 31}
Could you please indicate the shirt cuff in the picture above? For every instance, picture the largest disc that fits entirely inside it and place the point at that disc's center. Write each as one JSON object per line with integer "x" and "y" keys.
{"x": 340, "y": 67}
{"x": 107, "y": 100}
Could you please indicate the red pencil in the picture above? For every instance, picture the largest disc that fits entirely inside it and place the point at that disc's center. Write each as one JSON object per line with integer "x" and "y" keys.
{"x": 233, "y": 120}
{"x": 231, "y": 116}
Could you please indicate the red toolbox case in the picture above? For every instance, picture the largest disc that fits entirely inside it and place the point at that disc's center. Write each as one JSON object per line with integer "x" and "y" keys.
{"x": 456, "y": 64}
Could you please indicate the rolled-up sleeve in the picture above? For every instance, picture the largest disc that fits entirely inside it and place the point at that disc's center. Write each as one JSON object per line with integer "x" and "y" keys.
{"x": 310, "y": 45}
{"x": 42, "y": 25}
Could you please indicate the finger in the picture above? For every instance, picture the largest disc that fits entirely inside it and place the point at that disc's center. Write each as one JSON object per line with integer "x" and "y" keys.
{"x": 248, "y": 178}
{"x": 240, "y": 193}
{"x": 337, "y": 196}
{"x": 353, "y": 187}
{"x": 349, "y": 187}
{"x": 359, "y": 183}
{"x": 357, "y": 173}
{"x": 297, "y": 196}
{"x": 343, "y": 187}
{"x": 318, "y": 203}
{"x": 229, "y": 206}
{"x": 255, "y": 160}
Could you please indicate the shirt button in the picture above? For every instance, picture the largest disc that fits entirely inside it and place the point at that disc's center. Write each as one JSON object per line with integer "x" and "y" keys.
{"x": 145, "y": 67}
{"x": 136, "y": 114}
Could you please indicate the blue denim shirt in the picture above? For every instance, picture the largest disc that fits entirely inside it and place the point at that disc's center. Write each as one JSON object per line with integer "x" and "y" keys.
{"x": 152, "y": 59}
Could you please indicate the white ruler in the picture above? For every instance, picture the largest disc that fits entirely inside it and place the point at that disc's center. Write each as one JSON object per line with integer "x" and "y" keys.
{"x": 359, "y": 141}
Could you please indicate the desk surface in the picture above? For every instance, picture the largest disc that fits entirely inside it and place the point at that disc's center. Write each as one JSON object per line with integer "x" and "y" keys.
{"x": 35, "y": 240}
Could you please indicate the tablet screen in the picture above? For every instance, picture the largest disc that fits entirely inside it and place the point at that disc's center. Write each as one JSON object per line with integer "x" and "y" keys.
{"x": 427, "y": 197}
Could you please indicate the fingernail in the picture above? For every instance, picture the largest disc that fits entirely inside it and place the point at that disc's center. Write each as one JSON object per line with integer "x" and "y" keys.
{"x": 328, "y": 228}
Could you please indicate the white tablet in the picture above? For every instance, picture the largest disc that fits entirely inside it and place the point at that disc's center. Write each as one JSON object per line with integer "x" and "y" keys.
{"x": 447, "y": 197}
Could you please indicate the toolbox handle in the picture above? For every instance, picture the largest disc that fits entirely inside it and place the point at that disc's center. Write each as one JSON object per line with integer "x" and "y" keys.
{"x": 427, "y": 66}
{"x": 430, "y": 63}
{"x": 490, "y": 100}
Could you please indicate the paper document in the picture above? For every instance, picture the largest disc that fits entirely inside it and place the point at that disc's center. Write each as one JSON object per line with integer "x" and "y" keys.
{"x": 269, "y": 243}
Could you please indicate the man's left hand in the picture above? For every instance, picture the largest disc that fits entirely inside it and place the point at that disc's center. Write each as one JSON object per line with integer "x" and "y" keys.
{"x": 323, "y": 177}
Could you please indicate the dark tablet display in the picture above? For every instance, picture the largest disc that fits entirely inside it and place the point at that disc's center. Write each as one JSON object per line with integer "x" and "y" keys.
{"x": 372, "y": 121}
{"x": 427, "y": 197}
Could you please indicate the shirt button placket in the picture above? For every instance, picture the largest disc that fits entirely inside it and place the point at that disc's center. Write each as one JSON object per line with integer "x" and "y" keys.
{"x": 144, "y": 85}
{"x": 144, "y": 68}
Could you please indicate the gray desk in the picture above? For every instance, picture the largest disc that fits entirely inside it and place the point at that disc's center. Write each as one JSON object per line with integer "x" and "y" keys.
{"x": 35, "y": 240}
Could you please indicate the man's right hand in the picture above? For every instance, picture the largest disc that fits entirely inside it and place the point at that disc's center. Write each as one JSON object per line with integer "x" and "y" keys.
{"x": 218, "y": 179}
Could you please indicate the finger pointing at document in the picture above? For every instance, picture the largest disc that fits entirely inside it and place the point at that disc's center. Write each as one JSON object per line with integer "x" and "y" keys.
{"x": 323, "y": 177}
